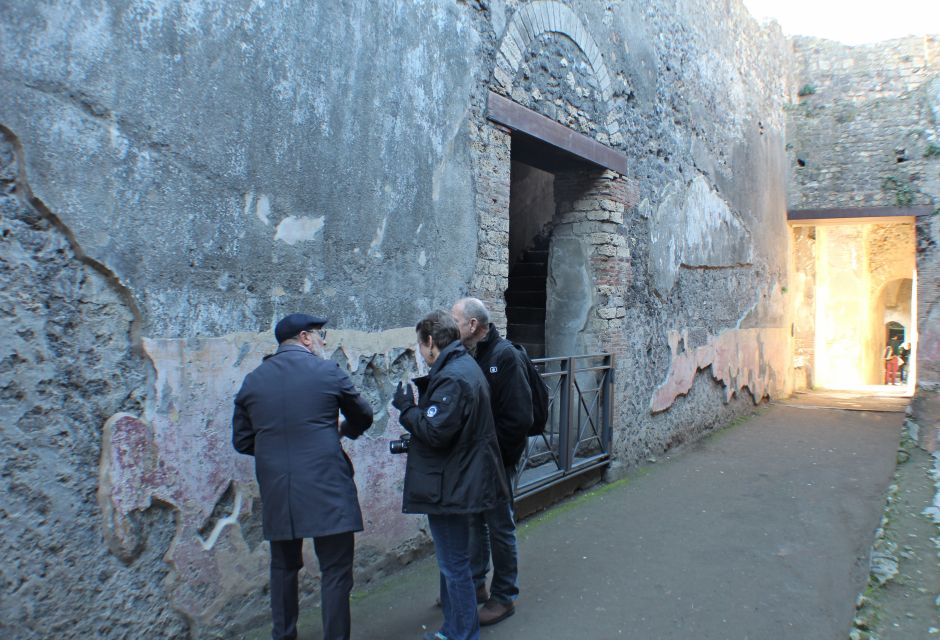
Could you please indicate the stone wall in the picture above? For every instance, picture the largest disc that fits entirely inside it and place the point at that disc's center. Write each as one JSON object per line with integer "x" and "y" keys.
{"x": 186, "y": 174}
{"x": 803, "y": 286}
{"x": 698, "y": 113}
{"x": 66, "y": 365}
{"x": 863, "y": 132}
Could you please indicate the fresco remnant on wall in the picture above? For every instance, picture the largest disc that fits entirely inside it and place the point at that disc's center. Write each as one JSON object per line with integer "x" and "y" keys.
{"x": 180, "y": 454}
{"x": 755, "y": 358}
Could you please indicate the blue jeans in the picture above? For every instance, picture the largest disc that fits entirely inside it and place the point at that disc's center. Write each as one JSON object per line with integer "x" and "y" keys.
{"x": 458, "y": 599}
{"x": 494, "y": 531}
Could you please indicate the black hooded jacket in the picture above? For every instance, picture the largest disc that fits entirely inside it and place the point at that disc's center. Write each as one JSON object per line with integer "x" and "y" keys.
{"x": 453, "y": 461}
{"x": 510, "y": 394}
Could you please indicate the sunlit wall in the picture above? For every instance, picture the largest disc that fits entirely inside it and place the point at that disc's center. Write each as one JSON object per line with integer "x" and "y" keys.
{"x": 843, "y": 341}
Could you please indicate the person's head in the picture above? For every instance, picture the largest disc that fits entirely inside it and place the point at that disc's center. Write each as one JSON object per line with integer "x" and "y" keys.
{"x": 302, "y": 329}
{"x": 473, "y": 320}
{"x": 435, "y": 331}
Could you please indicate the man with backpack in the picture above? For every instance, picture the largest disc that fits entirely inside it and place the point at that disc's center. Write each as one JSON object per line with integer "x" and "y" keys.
{"x": 493, "y": 532}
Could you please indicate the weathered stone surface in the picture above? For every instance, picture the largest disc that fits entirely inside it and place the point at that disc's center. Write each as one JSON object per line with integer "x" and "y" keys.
{"x": 221, "y": 164}
{"x": 67, "y": 364}
{"x": 693, "y": 227}
{"x": 180, "y": 454}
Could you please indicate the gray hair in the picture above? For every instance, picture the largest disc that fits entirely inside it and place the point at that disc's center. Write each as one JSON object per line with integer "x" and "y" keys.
{"x": 474, "y": 308}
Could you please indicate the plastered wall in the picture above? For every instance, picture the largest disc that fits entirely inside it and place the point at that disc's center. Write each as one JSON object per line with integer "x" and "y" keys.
{"x": 178, "y": 176}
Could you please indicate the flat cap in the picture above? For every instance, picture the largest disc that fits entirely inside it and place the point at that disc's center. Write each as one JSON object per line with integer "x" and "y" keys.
{"x": 290, "y": 326}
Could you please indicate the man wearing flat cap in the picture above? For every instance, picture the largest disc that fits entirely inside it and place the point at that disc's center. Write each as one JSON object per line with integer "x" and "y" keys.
{"x": 287, "y": 417}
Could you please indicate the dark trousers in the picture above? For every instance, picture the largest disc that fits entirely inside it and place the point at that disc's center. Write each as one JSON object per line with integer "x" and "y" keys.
{"x": 493, "y": 533}
{"x": 335, "y": 554}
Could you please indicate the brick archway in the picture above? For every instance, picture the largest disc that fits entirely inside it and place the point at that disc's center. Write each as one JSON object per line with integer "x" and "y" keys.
{"x": 538, "y": 18}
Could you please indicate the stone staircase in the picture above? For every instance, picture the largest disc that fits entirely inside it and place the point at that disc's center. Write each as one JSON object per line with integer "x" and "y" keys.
{"x": 525, "y": 299}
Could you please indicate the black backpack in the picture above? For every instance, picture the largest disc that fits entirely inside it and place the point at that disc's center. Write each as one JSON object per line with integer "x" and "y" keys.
{"x": 539, "y": 393}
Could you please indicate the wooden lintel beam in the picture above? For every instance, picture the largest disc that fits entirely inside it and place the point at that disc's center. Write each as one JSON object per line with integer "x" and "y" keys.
{"x": 858, "y": 214}
{"x": 518, "y": 118}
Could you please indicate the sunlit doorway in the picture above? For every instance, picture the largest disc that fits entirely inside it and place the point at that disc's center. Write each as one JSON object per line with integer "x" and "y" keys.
{"x": 854, "y": 305}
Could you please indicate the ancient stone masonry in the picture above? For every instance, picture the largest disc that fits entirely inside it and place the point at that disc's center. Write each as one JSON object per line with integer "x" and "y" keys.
{"x": 862, "y": 131}
{"x": 67, "y": 363}
{"x": 865, "y": 131}
{"x": 803, "y": 286}
{"x": 491, "y": 154}
{"x": 192, "y": 182}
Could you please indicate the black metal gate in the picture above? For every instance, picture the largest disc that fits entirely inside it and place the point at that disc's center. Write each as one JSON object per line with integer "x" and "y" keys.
{"x": 578, "y": 434}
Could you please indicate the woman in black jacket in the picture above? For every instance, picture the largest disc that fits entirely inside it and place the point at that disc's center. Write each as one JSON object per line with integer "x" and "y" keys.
{"x": 454, "y": 466}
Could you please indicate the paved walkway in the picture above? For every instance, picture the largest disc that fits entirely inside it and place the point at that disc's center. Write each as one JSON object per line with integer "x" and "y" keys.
{"x": 760, "y": 531}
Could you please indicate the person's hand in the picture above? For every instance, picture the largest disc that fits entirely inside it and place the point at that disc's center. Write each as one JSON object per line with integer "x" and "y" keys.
{"x": 404, "y": 397}
{"x": 343, "y": 428}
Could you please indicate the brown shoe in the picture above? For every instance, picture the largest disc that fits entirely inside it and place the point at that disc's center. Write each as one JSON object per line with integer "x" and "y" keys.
{"x": 494, "y": 611}
{"x": 482, "y": 596}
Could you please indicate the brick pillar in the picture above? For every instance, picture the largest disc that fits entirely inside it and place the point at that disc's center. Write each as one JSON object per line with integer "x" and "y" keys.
{"x": 491, "y": 275}
{"x": 591, "y": 207}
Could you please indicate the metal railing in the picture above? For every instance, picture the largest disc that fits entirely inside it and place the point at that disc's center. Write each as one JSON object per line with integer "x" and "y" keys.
{"x": 579, "y": 430}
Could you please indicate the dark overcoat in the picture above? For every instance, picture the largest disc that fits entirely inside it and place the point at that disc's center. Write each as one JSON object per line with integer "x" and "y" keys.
{"x": 453, "y": 462}
{"x": 286, "y": 417}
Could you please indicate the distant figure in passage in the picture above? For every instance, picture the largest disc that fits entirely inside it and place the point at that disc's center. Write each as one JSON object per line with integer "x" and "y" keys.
{"x": 287, "y": 417}
{"x": 890, "y": 358}
{"x": 904, "y": 359}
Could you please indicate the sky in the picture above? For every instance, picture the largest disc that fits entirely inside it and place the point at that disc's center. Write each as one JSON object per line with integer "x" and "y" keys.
{"x": 851, "y": 22}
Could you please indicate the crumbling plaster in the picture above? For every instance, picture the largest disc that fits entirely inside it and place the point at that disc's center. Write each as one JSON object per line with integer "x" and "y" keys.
{"x": 349, "y": 168}
{"x": 179, "y": 453}
{"x": 67, "y": 362}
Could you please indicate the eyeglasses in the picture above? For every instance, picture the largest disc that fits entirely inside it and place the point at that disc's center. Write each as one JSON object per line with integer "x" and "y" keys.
{"x": 319, "y": 332}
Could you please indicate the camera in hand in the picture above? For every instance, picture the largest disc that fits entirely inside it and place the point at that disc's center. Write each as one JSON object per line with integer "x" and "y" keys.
{"x": 401, "y": 445}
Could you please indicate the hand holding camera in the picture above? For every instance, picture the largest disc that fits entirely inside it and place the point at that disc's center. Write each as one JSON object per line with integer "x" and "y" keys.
{"x": 401, "y": 445}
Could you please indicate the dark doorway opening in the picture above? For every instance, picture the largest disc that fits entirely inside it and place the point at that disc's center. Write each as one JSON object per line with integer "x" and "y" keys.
{"x": 894, "y": 333}
{"x": 532, "y": 209}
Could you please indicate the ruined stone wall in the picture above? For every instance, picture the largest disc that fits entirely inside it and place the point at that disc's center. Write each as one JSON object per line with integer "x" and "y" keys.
{"x": 865, "y": 131}
{"x": 200, "y": 169}
{"x": 862, "y": 131}
{"x": 66, "y": 365}
{"x": 698, "y": 111}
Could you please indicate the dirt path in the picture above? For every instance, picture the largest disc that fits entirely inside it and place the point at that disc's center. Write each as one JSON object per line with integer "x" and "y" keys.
{"x": 760, "y": 531}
